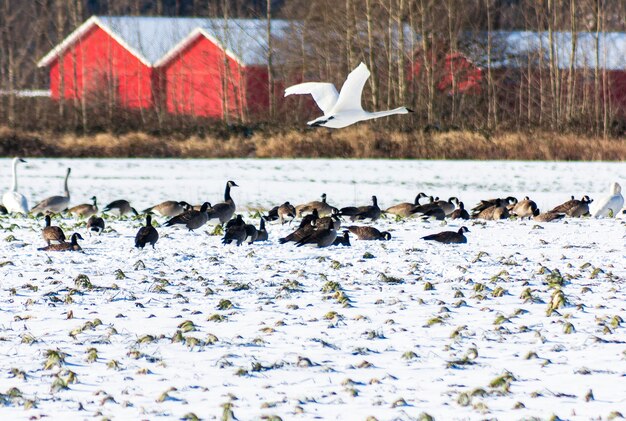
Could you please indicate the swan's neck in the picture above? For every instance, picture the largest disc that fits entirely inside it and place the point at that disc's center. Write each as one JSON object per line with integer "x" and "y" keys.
{"x": 377, "y": 114}
{"x": 14, "y": 185}
{"x": 67, "y": 192}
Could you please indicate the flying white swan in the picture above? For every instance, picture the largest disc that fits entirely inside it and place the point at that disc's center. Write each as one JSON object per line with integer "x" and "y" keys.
{"x": 344, "y": 108}
{"x": 55, "y": 203}
{"x": 13, "y": 200}
{"x": 608, "y": 205}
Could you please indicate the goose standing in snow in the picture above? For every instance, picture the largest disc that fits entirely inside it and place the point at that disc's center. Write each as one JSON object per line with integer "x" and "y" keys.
{"x": 574, "y": 208}
{"x": 147, "y": 234}
{"x": 52, "y": 233}
{"x": 85, "y": 210}
{"x": 344, "y": 108}
{"x": 13, "y": 200}
{"x": 608, "y": 205}
{"x": 120, "y": 207}
{"x": 323, "y": 208}
{"x": 55, "y": 204}
{"x": 192, "y": 219}
{"x": 169, "y": 208}
{"x": 95, "y": 224}
{"x": 225, "y": 210}
{"x": 404, "y": 209}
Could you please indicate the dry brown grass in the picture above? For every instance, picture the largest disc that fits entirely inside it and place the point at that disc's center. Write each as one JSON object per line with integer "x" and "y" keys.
{"x": 355, "y": 142}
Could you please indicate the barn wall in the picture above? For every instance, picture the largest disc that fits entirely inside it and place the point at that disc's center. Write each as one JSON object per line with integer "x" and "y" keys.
{"x": 256, "y": 91}
{"x": 100, "y": 68}
{"x": 195, "y": 82}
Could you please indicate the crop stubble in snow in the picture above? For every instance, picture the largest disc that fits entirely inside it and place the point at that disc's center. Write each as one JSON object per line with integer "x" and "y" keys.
{"x": 524, "y": 320}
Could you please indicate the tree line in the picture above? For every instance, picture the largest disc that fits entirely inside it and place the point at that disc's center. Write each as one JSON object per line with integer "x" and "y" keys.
{"x": 420, "y": 54}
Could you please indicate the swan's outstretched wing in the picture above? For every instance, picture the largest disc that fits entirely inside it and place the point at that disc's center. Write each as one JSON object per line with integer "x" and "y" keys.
{"x": 324, "y": 94}
{"x": 350, "y": 95}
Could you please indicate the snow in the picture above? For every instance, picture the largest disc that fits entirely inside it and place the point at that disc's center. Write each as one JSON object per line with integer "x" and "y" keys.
{"x": 288, "y": 346}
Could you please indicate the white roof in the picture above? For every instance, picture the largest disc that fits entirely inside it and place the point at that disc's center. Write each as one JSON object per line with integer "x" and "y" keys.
{"x": 515, "y": 48}
{"x": 151, "y": 38}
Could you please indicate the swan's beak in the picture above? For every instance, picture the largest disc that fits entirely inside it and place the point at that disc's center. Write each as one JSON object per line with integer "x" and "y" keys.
{"x": 410, "y": 110}
{"x": 22, "y": 160}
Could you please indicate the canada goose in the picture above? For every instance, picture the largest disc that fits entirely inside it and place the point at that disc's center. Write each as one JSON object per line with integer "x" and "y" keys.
{"x": 169, "y": 208}
{"x": 120, "y": 207}
{"x": 235, "y": 231}
{"x": 362, "y": 212}
{"x": 460, "y": 213}
{"x": 495, "y": 212}
{"x": 55, "y": 204}
{"x": 369, "y": 233}
{"x": 282, "y": 212}
{"x": 307, "y": 225}
{"x": 334, "y": 219}
{"x": 262, "y": 234}
{"x": 547, "y": 216}
{"x": 344, "y": 108}
{"x": 85, "y": 210}
{"x": 147, "y": 234}
{"x": 524, "y": 208}
{"x": 192, "y": 219}
{"x": 225, "y": 210}
{"x": 484, "y": 204}
{"x": 13, "y": 200}
{"x": 404, "y": 209}
{"x": 449, "y": 205}
{"x": 343, "y": 240}
{"x": 323, "y": 208}
{"x": 574, "y": 208}
{"x": 251, "y": 233}
{"x": 610, "y": 205}
{"x": 419, "y": 208}
{"x": 323, "y": 236}
{"x": 95, "y": 224}
{"x": 52, "y": 233}
{"x": 449, "y": 237}
{"x": 436, "y": 212}
{"x": 65, "y": 246}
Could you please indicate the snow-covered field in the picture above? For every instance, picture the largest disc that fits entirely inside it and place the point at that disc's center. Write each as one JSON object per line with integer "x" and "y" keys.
{"x": 526, "y": 320}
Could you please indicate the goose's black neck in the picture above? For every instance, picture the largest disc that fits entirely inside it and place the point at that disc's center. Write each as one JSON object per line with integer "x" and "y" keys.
{"x": 227, "y": 193}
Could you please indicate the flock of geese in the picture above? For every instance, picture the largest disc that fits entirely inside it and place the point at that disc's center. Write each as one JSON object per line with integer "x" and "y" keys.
{"x": 320, "y": 222}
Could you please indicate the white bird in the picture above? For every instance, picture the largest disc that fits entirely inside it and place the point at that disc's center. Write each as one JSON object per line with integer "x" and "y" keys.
{"x": 55, "y": 203}
{"x": 608, "y": 205}
{"x": 344, "y": 108}
{"x": 13, "y": 200}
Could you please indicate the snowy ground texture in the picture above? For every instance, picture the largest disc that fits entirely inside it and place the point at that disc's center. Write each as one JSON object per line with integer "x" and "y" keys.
{"x": 526, "y": 320}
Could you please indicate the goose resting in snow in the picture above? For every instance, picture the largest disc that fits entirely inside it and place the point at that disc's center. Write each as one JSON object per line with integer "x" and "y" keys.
{"x": 344, "y": 108}
{"x": 12, "y": 200}
{"x": 608, "y": 205}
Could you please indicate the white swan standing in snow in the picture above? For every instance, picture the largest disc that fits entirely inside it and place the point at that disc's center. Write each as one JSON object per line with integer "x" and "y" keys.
{"x": 13, "y": 200}
{"x": 608, "y": 205}
{"x": 344, "y": 108}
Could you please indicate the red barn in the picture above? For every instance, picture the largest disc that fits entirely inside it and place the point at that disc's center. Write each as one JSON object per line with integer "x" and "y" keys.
{"x": 220, "y": 69}
{"x": 197, "y": 66}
